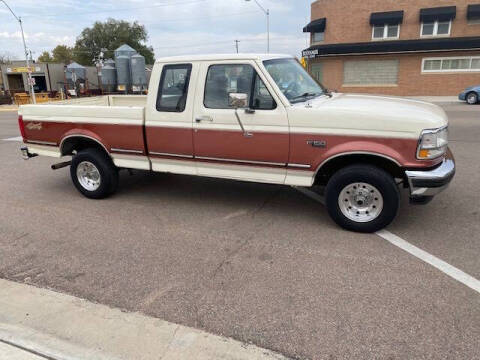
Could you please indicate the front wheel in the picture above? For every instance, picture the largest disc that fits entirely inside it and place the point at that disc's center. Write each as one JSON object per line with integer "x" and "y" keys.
{"x": 362, "y": 198}
{"x": 472, "y": 98}
{"x": 94, "y": 174}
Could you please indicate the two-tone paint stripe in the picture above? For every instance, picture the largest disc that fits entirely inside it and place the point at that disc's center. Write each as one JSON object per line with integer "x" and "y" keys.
{"x": 238, "y": 161}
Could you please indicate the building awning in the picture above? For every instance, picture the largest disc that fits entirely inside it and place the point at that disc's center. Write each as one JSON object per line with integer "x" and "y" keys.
{"x": 473, "y": 12}
{"x": 394, "y": 47}
{"x": 389, "y": 18}
{"x": 316, "y": 26}
{"x": 445, "y": 13}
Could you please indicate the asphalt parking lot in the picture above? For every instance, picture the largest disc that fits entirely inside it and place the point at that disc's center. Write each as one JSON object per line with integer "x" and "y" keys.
{"x": 259, "y": 263}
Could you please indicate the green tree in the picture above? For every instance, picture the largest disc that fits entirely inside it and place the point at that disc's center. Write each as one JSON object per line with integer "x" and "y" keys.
{"x": 62, "y": 54}
{"x": 45, "y": 57}
{"x": 110, "y": 35}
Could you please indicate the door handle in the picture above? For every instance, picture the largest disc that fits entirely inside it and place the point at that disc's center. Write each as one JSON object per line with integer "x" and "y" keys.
{"x": 203, "y": 118}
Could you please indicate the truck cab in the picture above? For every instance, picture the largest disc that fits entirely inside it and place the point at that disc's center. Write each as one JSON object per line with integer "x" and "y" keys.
{"x": 259, "y": 118}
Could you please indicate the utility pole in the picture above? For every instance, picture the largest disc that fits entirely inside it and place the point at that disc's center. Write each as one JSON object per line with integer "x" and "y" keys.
{"x": 236, "y": 44}
{"x": 30, "y": 82}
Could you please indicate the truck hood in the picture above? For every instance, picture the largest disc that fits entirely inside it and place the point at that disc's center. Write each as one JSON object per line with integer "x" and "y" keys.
{"x": 368, "y": 114}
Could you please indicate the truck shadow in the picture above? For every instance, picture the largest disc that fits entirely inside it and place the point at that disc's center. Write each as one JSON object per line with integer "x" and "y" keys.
{"x": 204, "y": 192}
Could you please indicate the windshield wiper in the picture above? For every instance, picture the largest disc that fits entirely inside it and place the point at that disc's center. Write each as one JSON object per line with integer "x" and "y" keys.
{"x": 304, "y": 97}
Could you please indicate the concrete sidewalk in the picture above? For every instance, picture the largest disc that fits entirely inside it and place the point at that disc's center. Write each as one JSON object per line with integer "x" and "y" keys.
{"x": 10, "y": 352}
{"x": 57, "y": 326}
{"x": 8, "y": 108}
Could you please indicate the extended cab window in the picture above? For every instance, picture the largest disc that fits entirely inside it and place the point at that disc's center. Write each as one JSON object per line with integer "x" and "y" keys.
{"x": 173, "y": 89}
{"x": 225, "y": 79}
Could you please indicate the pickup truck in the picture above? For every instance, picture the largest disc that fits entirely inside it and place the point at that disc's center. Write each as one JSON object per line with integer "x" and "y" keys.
{"x": 259, "y": 118}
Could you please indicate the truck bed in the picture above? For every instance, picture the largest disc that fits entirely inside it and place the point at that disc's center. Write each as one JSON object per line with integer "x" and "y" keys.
{"x": 114, "y": 121}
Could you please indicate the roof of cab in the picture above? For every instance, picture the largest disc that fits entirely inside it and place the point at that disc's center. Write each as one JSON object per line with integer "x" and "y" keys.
{"x": 216, "y": 57}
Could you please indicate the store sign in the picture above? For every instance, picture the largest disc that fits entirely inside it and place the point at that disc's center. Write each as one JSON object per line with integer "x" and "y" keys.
{"x": 23, "y": 69}
{"x": 310, "y": 54}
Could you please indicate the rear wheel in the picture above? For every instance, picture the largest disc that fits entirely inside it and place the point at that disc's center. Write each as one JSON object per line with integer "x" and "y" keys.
{"x": 94, "y": 174}
{"x": 362, "y": 198}
{"x": 472, "y": 98}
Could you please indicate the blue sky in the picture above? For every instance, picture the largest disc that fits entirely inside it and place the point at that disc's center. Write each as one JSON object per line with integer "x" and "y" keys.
{"x": 175, "y": 27}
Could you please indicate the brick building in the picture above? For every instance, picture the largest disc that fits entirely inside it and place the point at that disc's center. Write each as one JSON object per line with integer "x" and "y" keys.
{"x": 398, "y": 47}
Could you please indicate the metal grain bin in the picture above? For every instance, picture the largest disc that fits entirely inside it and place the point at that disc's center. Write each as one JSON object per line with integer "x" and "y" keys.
{"x": 124, "y": 50}
{"x": 109, "y": 62}
{"x": 76, "y": 72}
{"x": 109, "y": 78}
{"x": 139, "y": 76}
{"x": 122, "y": 64}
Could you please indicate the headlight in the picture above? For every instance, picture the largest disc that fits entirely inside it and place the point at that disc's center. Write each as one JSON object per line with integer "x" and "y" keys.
{"x": 432, "y": 144}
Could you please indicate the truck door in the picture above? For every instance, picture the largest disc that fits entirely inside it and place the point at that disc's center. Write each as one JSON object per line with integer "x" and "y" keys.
{"x": 168, "y": 125}
{"x": 221, "y": 147}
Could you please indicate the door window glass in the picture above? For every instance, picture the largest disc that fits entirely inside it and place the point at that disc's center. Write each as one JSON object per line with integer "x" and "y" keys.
{"x": 262, "y": 100}
{"x": 173, "y": 89}
{"x": 225, "y": 79}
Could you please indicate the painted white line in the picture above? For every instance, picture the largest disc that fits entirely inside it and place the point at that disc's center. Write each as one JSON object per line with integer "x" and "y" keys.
{"x": 18, "y": 138}
{"x": 441, "y": 265}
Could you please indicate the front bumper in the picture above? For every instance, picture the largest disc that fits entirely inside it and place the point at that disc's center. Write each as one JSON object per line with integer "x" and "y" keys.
{"x": 462, "y": 96}
{"x": 424, "y": 184}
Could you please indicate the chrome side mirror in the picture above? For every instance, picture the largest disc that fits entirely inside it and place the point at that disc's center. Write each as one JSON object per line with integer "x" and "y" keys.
{"x": 239, "y": 101}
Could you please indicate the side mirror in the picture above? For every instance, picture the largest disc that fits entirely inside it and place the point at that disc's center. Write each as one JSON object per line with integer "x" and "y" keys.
{"x": 238, "y": 100}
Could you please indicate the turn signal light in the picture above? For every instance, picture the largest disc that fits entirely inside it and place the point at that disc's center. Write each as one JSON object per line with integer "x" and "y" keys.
{"x": 424, "y": 154}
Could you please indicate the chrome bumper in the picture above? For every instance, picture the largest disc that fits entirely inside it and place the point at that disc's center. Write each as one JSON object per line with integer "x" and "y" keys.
{"x": 426, "y": 184}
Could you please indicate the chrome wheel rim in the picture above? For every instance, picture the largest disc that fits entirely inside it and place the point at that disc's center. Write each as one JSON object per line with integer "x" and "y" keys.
{"x": 360, "y": 202}
{"x": 88, "y": 176}
{"x": 472, "y": 99}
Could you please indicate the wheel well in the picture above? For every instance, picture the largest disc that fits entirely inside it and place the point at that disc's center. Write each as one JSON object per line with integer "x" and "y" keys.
{"x": 337, "y": 163}
{"x": 473, "y": 92}
{"x": 79, "y": 143}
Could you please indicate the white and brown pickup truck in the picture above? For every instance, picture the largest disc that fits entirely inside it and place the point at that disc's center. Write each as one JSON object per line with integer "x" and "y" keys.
{"x": 259, "y": 118}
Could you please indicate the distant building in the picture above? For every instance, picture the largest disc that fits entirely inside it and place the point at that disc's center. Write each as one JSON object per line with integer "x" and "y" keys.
{"x": 398, "y": 47}
{"x": 48, "y": 77}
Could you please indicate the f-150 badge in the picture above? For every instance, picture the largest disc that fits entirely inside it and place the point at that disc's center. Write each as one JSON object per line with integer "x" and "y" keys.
{"x": 317, "y": 143}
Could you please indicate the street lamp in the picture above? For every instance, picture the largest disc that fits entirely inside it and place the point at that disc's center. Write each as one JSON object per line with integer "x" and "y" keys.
{"x": 267, "y": 12}
{"x": 32, "y": 90}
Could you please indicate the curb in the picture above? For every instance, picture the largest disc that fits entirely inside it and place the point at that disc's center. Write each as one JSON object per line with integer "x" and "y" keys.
{"x": 62, "y": 327}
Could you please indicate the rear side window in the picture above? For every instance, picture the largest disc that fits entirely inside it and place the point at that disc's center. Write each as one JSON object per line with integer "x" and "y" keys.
{"x": 173, "y": 89}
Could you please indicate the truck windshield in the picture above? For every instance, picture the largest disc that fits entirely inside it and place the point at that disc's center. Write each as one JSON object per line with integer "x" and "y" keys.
{"x": 293, "y": 80}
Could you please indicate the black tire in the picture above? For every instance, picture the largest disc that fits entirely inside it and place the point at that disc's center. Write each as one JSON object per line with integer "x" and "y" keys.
{"x": 474, "y": 96}
{"x": 107, "y": 170}
{"x": 371, "y": 175}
